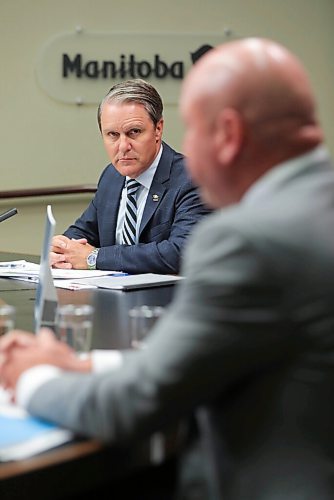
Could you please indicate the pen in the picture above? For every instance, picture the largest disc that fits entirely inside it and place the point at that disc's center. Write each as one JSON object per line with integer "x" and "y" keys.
{"x": 8, "y": 214}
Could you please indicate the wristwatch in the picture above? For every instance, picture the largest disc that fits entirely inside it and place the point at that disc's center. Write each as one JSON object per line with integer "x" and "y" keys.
{"x": 91, "y": 259}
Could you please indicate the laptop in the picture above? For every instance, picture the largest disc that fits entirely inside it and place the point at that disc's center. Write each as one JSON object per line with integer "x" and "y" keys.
{"x": 46, "y": 295}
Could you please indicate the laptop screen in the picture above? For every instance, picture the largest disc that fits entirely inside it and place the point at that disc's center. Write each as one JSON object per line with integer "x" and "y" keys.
{"x": 46, "y": 295}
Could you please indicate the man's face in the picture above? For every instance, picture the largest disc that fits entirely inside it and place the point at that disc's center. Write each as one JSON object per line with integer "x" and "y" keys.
{"x": 131, "y": 139}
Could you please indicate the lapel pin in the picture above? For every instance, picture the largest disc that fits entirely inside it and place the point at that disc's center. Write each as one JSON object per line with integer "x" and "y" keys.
{"x": 155, "y": 197}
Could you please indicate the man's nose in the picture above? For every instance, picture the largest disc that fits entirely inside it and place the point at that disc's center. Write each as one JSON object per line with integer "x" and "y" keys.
{"x": 124, "y": 143}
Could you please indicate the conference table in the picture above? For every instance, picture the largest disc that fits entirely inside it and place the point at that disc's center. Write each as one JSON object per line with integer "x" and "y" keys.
{"x": 84, "y": 463}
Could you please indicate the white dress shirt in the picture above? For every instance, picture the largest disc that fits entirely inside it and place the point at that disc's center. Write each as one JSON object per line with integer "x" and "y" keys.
{"x": 30, "y": 380}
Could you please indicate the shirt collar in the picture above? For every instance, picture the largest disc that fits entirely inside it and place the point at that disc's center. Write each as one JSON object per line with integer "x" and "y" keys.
{"x": 283, "y": 171}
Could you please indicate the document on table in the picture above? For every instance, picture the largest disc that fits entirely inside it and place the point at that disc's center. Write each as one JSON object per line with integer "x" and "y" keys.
{"x": 22, "y": 436}
{"x": 130, "y": 282}
{"x": 63, "y": 278}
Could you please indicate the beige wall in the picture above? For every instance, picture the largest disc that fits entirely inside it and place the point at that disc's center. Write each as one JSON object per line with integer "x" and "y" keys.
{"x": 48, "y": 143}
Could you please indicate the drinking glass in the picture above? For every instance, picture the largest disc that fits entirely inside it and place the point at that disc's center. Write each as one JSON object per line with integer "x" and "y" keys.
{"x": 142, "y": 319}
{"x": 75, "y": 325}
{"x": 7, "y": 318}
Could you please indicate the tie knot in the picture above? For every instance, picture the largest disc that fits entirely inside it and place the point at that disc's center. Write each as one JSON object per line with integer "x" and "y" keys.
{"x": 132, "y": 186}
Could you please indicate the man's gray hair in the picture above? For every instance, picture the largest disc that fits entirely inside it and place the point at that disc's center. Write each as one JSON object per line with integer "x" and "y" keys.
{"x": 137, "y": 91}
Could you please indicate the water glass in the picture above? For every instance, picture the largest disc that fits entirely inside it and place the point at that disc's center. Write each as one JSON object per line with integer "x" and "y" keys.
{"x": 142, "y": 319}
{"x": 7, "y": 318}
{"x": 75, "y": 325}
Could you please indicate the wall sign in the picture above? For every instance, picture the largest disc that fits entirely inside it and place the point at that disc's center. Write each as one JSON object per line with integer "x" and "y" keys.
{"x": 80, "y": 67}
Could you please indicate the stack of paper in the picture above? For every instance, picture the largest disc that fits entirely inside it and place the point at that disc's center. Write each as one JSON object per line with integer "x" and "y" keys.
{"x": 63, "y": 278}
{"x": 76, "y": 279}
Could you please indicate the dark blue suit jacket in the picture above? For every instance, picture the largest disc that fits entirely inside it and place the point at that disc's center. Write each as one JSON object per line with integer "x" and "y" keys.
{"x": 165, "y": 224}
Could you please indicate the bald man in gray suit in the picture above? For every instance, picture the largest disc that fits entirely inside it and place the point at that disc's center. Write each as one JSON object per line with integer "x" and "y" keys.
{"x": 250, "y": 334}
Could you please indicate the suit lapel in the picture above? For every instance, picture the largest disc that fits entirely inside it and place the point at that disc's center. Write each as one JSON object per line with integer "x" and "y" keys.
{"x": 158, "y": 187}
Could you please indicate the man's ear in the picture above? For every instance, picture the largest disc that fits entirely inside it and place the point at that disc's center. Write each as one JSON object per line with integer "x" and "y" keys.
{"x": 158, "y": 130}
{"x": 229, "y": 134}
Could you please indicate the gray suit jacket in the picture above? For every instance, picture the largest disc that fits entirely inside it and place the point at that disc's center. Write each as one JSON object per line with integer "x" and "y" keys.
{"x": 250, "y": 336}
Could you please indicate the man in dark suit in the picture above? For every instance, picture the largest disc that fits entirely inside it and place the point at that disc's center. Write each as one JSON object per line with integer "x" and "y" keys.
{"x": 167, "y": 203}
{"x": 248, "y": 342}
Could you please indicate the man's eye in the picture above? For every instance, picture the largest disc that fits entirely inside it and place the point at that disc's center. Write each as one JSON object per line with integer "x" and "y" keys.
{"x": 113, "y": 135}
{"x": 135, "y": 131}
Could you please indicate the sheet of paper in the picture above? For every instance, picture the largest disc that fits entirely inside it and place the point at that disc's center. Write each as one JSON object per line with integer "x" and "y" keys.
{"x": 24, "y": 269}
{"x": 134, "y": 281}
{"x": 71, "y": 285}
{"x": 14, "y": 264}
{"x": 63, "y": 278}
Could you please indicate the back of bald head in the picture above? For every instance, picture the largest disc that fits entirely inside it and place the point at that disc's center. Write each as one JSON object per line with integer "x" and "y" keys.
{"x": 265, "y": 84}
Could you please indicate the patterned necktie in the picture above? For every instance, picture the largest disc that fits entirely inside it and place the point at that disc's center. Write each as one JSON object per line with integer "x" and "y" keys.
{"x": 130, "y": 219}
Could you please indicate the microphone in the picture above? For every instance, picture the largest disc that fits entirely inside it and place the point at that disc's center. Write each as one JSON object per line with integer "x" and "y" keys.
{"x": 8, "y": 214}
